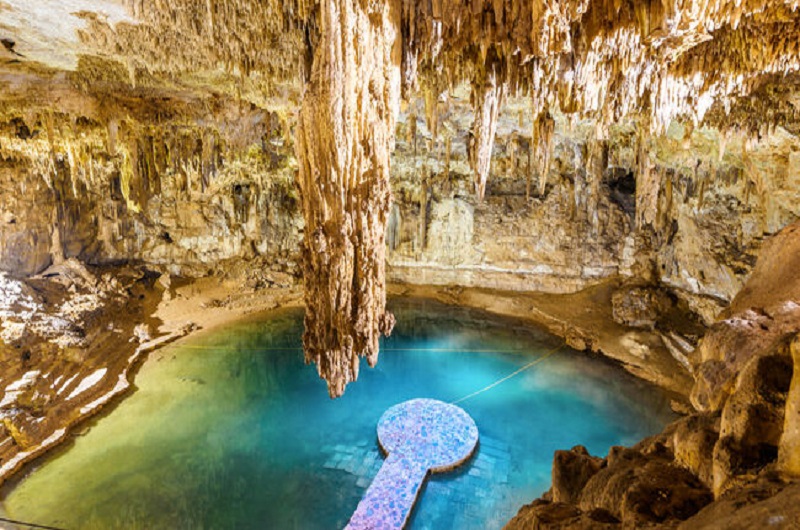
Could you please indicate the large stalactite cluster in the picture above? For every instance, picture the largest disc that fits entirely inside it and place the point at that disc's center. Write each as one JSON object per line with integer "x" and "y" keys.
{"x": 344, "y": 140}
{"x": 731, "y": 64}
{"x": 605, "y": 60}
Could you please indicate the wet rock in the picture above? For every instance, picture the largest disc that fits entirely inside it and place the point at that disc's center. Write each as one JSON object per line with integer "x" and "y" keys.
{"x": 571, "y": 471}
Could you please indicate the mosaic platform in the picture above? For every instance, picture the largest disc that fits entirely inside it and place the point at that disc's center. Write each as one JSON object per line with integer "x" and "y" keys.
{"x": 419, "y": 436}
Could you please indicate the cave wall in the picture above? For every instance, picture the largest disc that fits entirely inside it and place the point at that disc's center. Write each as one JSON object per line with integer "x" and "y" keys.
{"x": 185, "y": 182}
{"x": 689, "y": 209}
{"x": 181, "y": 192}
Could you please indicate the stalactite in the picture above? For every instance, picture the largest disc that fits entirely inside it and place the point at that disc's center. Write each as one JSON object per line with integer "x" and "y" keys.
{"x": 512, "y": 148}
{"x": 542, "y": 143}
{"x": 600, "y": 59}
{"x": 423, "y": 209}
{"x": 724, "y": 137}
{"x": 431, "y": 99}
{"x": 648, "y": 185}
{"x": 488, "y": 96}
{"x": 412, "y": 133}
{"x": 596, "y": 164}
{"x": 448, "y": 146}
{"x": 702, "y": 183}
{"x": 528, "y": 177}
{"x": 344, "y": 136}
{"x": 665, "y": 206}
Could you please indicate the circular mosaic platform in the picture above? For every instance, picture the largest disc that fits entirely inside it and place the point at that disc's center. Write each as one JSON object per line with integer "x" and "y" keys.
{"x": 437, "y": 435}
{"x": 419, "y": 436}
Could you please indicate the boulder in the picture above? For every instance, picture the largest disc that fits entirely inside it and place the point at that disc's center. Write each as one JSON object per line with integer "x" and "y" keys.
{"x": 643, "y": 489}
{"x": 546, "y": 515}
{"x": 571, "y": 471}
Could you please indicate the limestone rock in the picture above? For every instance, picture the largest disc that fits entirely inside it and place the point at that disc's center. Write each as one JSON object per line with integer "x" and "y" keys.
{"x": 639, "y": 307}
{"x": 752, "y": 421}
{"x": 763, "y": 317}
{"x": 767, "y": 502}
{"x": 571, "y": 471}
{"x": 693, "y": 442}
{"x": 546, "y": 515}
{"x": 343, "y": 142}
{"x": 638, "y": 489}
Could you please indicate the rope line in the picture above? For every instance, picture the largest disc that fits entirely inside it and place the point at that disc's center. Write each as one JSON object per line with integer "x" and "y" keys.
{"x": 509, "y": 376}
{"x": 29, "y": 525}
{"x": 300, "y": 348}
{"x": 434, "y": 350}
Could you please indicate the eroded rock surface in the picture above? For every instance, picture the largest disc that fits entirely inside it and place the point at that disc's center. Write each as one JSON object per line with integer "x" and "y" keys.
{"x": 344, "y": 138}
{"x": 738, "y": 451}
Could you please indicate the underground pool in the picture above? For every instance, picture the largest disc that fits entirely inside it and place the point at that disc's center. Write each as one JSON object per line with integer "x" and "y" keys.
{"x": 229, "y": 429}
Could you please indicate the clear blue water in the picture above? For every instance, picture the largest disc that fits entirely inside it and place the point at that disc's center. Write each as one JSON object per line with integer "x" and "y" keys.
{"x": 232, "y": 430}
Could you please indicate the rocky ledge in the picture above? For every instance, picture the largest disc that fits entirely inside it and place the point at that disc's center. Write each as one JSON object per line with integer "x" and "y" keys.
{"x": 733, "y": 462}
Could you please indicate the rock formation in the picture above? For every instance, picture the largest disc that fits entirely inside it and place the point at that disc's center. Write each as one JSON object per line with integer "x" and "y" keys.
{"x": 344, "y": 138}
{"x": 651, "y": 147}
{"x": 740, "y": 448}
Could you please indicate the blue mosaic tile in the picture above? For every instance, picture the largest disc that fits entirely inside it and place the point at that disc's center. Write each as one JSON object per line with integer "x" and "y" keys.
{"x": 419, "y": 436}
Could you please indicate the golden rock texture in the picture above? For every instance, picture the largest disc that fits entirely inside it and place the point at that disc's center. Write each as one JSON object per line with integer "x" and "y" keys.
{"x": 344, "y": 138}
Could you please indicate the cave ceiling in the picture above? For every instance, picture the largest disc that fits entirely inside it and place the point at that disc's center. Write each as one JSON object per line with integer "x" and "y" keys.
{"x": 726, "y": 63}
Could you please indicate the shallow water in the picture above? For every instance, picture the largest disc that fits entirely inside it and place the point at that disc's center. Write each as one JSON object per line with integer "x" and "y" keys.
{"x": 232, "y": 430}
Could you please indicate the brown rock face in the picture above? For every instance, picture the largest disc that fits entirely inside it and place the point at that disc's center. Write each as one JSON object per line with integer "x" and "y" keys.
{"x": 541, "y": 515}
{"x": 631, "y": 488}
{"x": 571, "y": 471}
{"x": 762, "y": 318}
{"x": 789, "y": 451}
{"x": 343, "y": 142}
{"x": 693, "y": 443}
{"x": 752, "y": 420}
{"x": 639, "y": 488}
{"x": 639, "y": 307}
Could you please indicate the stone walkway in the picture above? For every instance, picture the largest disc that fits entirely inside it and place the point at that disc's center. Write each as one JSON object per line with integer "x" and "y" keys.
{"x": 419, "y": 436}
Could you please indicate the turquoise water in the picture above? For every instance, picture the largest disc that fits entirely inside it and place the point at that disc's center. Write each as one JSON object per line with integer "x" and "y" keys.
{"x": 232, "y": 430}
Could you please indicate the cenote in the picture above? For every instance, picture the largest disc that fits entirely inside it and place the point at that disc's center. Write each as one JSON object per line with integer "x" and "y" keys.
{"x": 230, "y": 429}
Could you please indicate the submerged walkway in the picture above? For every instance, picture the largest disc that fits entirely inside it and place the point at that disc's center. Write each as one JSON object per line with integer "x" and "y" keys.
{"x": 419, "y": 436}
